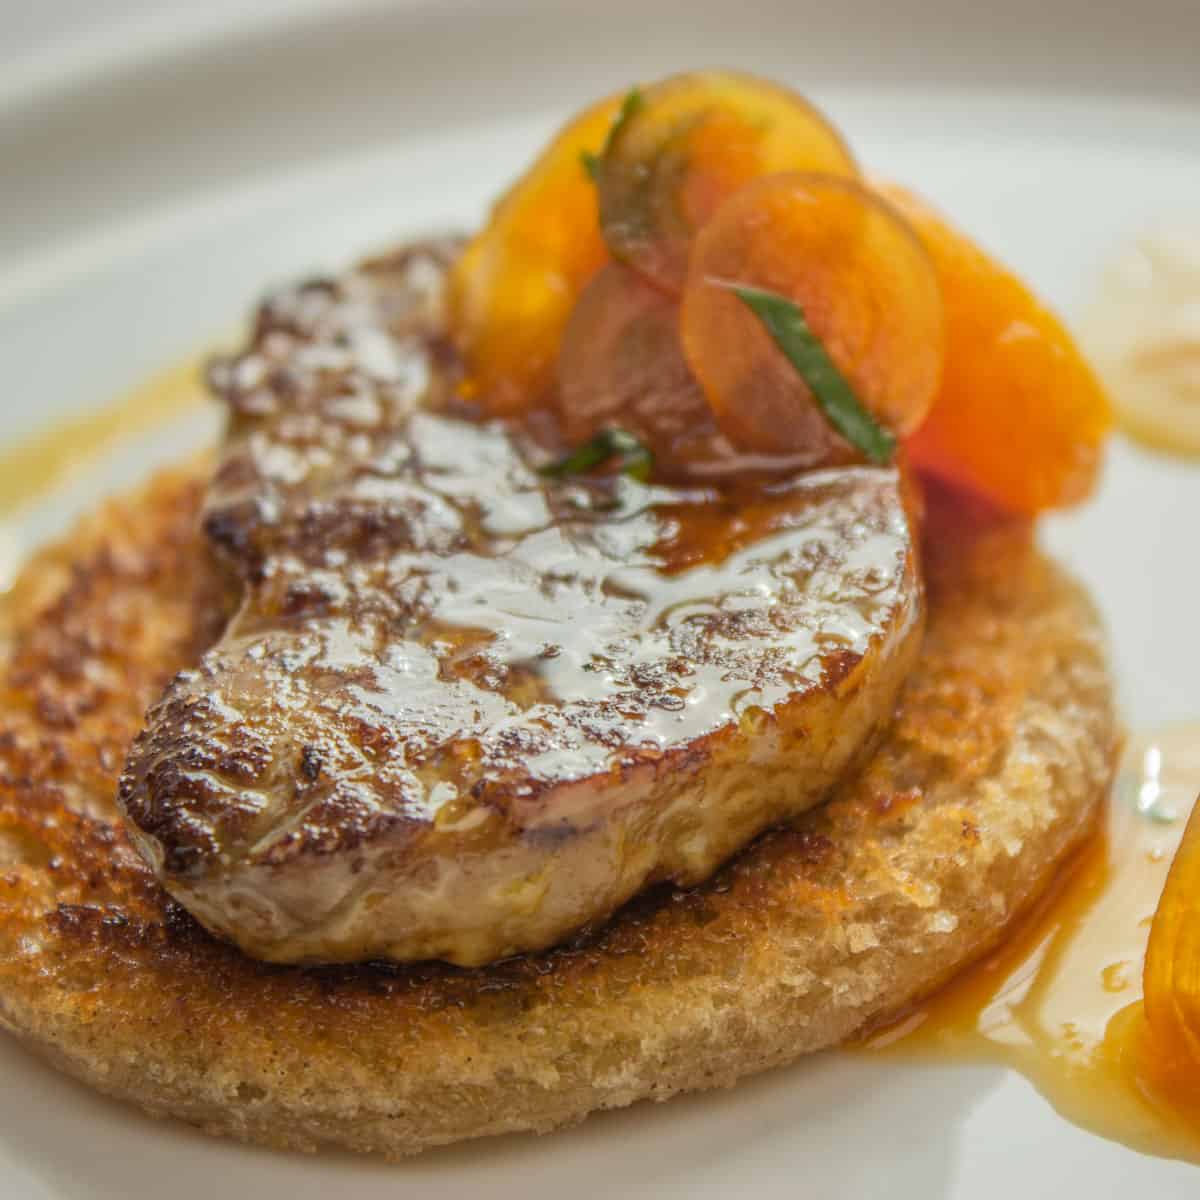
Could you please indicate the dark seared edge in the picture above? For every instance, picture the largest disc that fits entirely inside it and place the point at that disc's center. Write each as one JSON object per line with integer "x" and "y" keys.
{"x": 462, "y": 709}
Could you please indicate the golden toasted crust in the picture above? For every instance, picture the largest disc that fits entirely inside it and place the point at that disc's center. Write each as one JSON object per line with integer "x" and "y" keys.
{"x": 999, "y": 752}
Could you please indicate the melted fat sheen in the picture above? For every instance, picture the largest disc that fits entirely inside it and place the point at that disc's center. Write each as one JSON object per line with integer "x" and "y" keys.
{"x": 431, "y": 633}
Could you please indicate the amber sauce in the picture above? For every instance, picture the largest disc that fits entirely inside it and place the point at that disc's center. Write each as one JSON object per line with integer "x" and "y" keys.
{"x": 36, "y": 465}
{"x": 1060, "y": 1001}
{"x": 39, "y": 471}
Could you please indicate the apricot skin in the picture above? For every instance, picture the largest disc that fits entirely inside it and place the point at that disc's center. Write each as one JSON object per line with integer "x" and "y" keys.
{"x": 867, "y": 291}
{"x": 512, "y": 291}
{"x": 693, "y": 141}
{"x": 621, "y": 366}
{"x": 1019, "y": 416}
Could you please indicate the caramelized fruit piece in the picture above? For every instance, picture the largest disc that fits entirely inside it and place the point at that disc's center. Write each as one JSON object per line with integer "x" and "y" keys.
{"x": 621, "y": 366}
{"x": 691, "y": 143}
{"x": 1172, "y": 972}
{"x": 1019, "y": 416}
{"x": 865, "y": 286}
{"x": 513, "y": 288}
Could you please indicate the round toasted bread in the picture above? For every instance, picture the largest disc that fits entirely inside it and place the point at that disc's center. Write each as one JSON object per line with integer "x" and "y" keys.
{"x": 993, "y": 770}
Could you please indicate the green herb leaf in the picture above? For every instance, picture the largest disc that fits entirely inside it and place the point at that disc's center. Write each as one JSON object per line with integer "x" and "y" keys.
{"x": 784, "y": 320}
{"x": 637, "y": 460}
{"x": 633, "y": 104}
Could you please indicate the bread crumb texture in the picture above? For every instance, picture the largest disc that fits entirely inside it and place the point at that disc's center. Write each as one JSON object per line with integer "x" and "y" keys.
{"x": 993, "y": 770}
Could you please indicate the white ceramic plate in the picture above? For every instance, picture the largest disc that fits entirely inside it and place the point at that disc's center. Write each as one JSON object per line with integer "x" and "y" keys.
{"x": 155, "y": 175}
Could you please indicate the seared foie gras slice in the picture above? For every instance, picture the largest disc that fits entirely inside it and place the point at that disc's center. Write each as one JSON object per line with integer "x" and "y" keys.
{"x": 463, "y": 710}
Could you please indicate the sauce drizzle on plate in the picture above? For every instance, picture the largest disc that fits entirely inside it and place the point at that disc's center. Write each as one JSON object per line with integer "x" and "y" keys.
{"x": 1060, "y": 1001}
{"x": 36, "y": 464}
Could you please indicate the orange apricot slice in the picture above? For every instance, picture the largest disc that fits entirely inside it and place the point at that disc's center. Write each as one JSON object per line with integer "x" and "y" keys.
{"x": 621, "y": 366}
{"x": 686, "y": 145}
{"x": 863, "y": 284}
{"x": 1171, "y": 978}
{"x": 1019, "y": 416}
{"x": 511, "y": 292}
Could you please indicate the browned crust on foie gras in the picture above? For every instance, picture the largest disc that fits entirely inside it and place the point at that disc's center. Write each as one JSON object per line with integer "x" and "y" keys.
{"x": 993, "y": 769}
{"x": 462, "y": 709}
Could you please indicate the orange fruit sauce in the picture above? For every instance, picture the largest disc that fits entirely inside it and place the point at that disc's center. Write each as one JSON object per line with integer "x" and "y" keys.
{"x": 865, "y": 284}
{"x": 686, "y": 191}
{"x": 688, "y": 145}
{"x": 1061, "y": 1000}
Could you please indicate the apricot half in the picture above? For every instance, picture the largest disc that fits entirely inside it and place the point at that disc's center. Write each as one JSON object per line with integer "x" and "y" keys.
{"x": 686, "y": 145}
{"x": 1172, "y": 972}
{"x": 513, "y": 288}
{"x": 864, "y": 286}
{"x": 1019, "y": 416}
